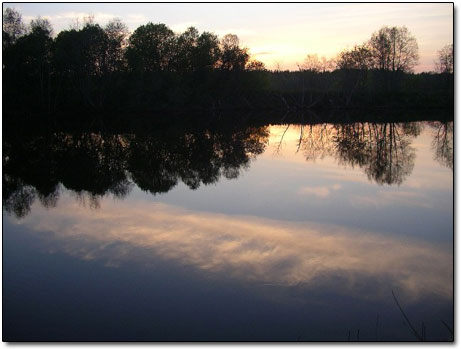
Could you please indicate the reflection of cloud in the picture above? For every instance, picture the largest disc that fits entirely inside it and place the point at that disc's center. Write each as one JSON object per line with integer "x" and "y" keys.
{"x": 321, "y": 191}
{"x": 386, "y": 198}
{"x": 246, "y": 248}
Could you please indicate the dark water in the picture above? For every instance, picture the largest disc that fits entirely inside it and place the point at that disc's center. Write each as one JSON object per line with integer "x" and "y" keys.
{"x": 238, "y": 232}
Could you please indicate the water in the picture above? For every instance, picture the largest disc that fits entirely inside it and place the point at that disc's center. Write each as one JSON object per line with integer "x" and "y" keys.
{"x": 267, "y": 232}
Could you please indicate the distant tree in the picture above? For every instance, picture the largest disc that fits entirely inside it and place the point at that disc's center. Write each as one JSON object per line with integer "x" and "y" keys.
{"x": 66, "y": 52}
{"x": 117, "y": 40}
{"x": 394, "y": 49}
{"x": 444, "y": 64}
{"x": 360, "y": 57}
{"x": 278, "y": 66}
{"x": 33, "y": 56}
{"x": 380, "y": 46}
{"x": 328, "y": 64}
{"x": 41, "y": 24}
{"x": 232, "y": 56}
{"x": 13, "y": 27}
{"x": 151, "y": 48}
{"x": 207, "y": 52}
{"x": 81, "y": 56}
{"x": 354, "y": 65}
{"x": 255, "y": 65}
{"x": 311, "y": 63}
{"x": 93, "y": 44}
{"x": 185, "y": 50}
{"x": 315, "y": 64}
{"x": 82, "y": 52}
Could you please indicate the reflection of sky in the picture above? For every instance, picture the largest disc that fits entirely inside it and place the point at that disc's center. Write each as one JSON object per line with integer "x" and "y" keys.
{"x": 287, "y": 227}
{"x": 284, "y": 186}
{"x": 249, "y": 248}
{"x": 275, "y": 33}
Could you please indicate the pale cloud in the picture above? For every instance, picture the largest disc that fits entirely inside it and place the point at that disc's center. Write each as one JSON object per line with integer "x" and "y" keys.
{"x": 62, "y": 20}
{"x": 180, "y": 27}
{"x": 237, "y": 31}
{"x": 98, "y": 16}
{"x": 250, "y": 249}
{"x": 262, "y": 53}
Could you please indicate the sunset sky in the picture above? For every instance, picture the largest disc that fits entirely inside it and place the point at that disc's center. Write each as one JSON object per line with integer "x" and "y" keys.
{"x": 275, "y": 33}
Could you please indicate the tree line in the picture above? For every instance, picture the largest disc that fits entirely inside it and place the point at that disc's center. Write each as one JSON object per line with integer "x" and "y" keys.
{"x": 90, "y": 67}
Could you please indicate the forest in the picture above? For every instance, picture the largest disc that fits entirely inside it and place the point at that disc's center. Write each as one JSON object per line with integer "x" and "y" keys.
{"x": 107, "y": 69}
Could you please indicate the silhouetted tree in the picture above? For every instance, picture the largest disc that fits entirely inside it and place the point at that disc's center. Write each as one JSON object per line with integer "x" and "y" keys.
{"x": 185, "y": 50}
{"x": 207, "y": 51}
{"x": 255, "y": 65}
{"x": 232, "y": 56}
{"x": 117, "y": 40}
{"x": 359, "y": 57}
{"x": 395, "y": 49}
{"x": 151, "y": 48}
{"x": 27, "y": 64}
{"x": 41, "y": 24}
{"x": 354, "y": 65}
{"x": 445, "y": 61}
{"x": 13, "y": 27}
{"x": 37, "y": 54}
{"x": 315, "y": 64}
{"x": 80, "y": 58}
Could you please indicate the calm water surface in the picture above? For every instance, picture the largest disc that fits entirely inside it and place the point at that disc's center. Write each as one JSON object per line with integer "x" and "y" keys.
{"x": 277, "y": 232}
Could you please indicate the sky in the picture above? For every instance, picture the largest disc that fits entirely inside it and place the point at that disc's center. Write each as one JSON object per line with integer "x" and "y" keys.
{"x": 276, "y": 34}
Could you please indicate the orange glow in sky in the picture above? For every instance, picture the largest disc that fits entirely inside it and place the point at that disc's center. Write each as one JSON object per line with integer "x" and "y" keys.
{"x": 276, "y": 34}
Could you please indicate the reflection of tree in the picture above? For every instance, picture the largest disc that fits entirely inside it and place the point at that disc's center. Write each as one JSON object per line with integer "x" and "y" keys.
{"x": 382, "y": 150}
{"x": 92, "y": 165}
{"x": 443, "y": 142}
{"x": 99, "y": 160}
{"x": 157, "y": 164}
{"x": 391, "y": 159}
{"x": 315, "y": 141}
{"x": 17, "y": 197}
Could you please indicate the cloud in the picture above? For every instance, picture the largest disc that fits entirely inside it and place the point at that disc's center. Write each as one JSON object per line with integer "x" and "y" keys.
{"x": 262, "y": 53}
{"x": 98, "y": 16}
{"x": 180, "y": 27}
{"x": 236, "y": 31}
{"x": 246, "y": 248}
{"x": 62, "y": 20}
